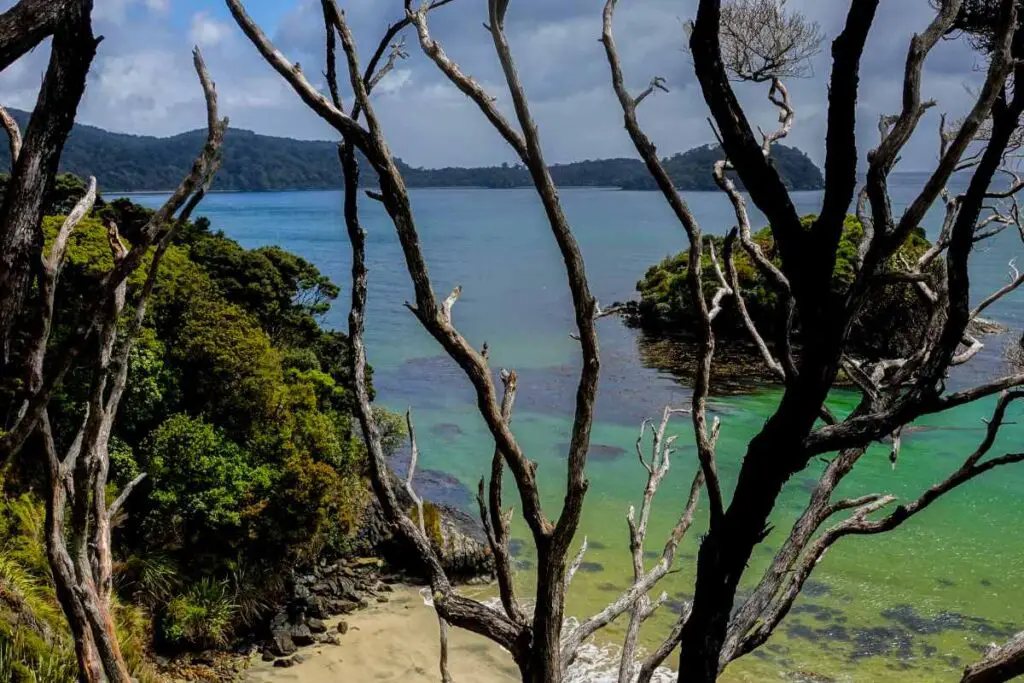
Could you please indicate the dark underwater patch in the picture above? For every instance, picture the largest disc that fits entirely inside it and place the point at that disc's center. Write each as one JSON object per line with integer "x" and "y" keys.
{"x": 819, "y": 612}
{"x": 446, "y": 430}
{"x": 882, "y": 641}
{"x": 598, "y": 452}
{"x": 907, "y": 616}
{"x": 591, "y": 567}
{"x": 815, "y": 589}
{"x": 516, "y": 546}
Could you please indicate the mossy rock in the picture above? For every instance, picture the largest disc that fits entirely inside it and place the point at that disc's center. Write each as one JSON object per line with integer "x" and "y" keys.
{"x": 665, "y": 308}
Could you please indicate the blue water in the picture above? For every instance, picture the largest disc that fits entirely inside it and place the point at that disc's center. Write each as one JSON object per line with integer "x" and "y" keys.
{"x": 498, "y": 246}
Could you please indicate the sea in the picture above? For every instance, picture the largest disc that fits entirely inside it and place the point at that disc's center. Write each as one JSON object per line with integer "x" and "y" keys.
{"x": 916, "y": 604}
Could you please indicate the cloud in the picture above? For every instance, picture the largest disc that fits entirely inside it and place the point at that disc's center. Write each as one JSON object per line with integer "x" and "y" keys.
{"x": 206, "y": 31}
{"x": 118, "y": 11}
{"x": 142, "y": 81}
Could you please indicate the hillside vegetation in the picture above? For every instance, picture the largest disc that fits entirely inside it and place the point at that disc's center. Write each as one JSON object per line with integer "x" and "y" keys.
{"x": 133, "y": 163}
{"x": 238, "y": 409}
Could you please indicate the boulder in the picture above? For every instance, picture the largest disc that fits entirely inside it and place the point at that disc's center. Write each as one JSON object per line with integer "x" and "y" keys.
{"x": 281, "y": 644}
{"x": 301, "y": 635}
{"x": 316, "y": 625}
{"x": 329, "y": 639}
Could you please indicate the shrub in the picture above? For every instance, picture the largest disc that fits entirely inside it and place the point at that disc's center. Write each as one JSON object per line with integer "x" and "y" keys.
{"x": 665, "y": 306}
{"x": 201, "y": 617}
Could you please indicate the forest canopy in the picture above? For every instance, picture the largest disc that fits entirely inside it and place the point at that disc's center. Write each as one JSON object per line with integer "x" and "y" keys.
{"x": 252, "y": 162}
{"x": 238, "y": 410}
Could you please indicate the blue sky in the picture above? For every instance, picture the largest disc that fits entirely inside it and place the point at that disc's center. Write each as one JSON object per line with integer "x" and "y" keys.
{"x": 142, "y": 82}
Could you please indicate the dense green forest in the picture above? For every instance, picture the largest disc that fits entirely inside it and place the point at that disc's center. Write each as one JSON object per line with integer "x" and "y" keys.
{"x": 665, "y": 308}
{"x": 132, "y": 163}
{"x": 238, "y": 409}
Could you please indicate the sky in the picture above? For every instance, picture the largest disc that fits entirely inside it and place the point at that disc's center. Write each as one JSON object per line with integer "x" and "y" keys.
{"x": 142, "y": 81}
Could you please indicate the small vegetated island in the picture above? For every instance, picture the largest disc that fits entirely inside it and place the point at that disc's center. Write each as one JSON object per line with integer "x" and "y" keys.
{"x": 665, "y": 311}
{"x": 252, "y": 162}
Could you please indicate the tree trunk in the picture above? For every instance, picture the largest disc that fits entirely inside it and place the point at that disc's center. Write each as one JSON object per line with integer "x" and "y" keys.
{"x": 26, "y": 25}
{"x": 545, "y": 661}
{"x": 772, "y": 458}
{"x": 21, "y": 238}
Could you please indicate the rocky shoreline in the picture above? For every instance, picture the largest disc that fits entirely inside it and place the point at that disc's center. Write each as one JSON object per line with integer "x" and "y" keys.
{"x": 330, "y": 588}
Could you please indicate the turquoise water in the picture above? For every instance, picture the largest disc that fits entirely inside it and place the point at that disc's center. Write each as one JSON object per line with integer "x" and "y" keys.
{"x": 913, "y": 605}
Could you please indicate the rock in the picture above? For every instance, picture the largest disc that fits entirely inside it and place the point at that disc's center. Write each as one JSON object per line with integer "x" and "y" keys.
{"x": 268, "y": 656}
{"x": 330, "y": 639}
{"x": 302, "y": 636}
{"x": 385, "y": 588}
{"x": 318, "y": 607}
{"x": 285, "y": 663}
{"x": 344, "y": 606}
{"x": 342, "y": 627}
{"x": 366, "y": 561}
{"x": 298, "y": 659}
{"x": 281, "y": 644}
{"x": 382, "y": 598}
{"x": 316, "y": 625}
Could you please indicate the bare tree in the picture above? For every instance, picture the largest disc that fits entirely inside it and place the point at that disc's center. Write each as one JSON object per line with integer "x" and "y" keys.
{"x": 999, "y": 664}
{"x": 727, "y": 41}
{"x": 894, "y": 391}
{"x": 534, "y": 639}
{"x": 762, "y": 40}
{"x": 80, "y": 552}
{"x": 73, "y": 47}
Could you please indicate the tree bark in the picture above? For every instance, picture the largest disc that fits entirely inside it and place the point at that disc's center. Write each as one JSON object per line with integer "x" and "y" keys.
{"x": 26, "y": 25}
{"x": 21, "y": 238}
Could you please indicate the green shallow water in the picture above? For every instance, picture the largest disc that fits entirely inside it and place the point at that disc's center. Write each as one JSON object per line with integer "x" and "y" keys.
{"x": 916, "y": 604}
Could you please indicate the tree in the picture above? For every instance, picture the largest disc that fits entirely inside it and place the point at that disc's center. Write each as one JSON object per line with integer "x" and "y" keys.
{"x": 727, "y": 41}
{"x": 35, "y": 156}
{"x": 79, "y": 549}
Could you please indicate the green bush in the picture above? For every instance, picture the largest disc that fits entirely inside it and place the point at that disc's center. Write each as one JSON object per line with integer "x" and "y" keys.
{"x": 201, "y": 617}
{"x": 665, "y": 304}
{"x": 201, "y": 481}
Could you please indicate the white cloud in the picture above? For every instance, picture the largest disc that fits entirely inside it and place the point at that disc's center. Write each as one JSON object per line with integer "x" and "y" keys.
{"x": 116, "y": 11}
{"x": 111, "y": 10}
{"x": 207, "y": 31}
{"x": 394, "y": 81}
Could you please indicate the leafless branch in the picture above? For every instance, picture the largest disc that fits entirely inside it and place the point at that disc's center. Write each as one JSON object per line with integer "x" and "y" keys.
{"x": 634, "y": 600}
{"x": 13, "y": 134}
{"x": 761, "y": 40}
{"x": 1000, "y": 663}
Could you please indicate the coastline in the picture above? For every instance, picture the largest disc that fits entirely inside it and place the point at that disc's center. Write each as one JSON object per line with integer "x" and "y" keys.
{"x": 393, "y": 641}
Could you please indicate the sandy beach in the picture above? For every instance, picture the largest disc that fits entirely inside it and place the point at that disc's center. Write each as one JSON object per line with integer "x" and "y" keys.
{"x": 394, "y": 641}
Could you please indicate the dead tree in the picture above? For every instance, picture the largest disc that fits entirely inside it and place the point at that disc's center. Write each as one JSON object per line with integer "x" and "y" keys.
{"x": 79, "y": 552}
{"x": 726, "y": 42}
{"x": 534, "y": 638}
{"x": 73, "y": 47}
{"x": 999, "y": 664}
{"x": 895, "y": 391}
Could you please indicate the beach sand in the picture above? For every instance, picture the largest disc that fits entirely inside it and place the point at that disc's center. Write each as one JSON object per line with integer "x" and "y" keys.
{"x": 394, "y": 641}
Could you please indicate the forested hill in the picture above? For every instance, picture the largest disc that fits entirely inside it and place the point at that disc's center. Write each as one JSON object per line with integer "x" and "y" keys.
{"x": 131, "y": 163}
